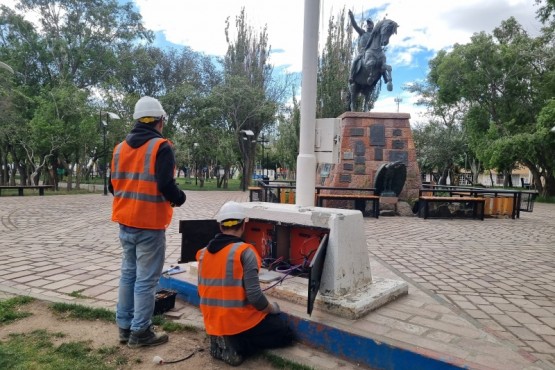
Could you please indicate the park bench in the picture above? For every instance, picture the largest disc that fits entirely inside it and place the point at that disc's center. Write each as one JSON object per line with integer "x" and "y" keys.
{"x": 281, "y": 192}
{"x": 273, "y": 192}
{"x": 20, "y": 188}
{"x": 359, "y": 199}
{"x": 477, "y": 204}
{"x": 255, "y": 190}
{"x": 498, "y": 202}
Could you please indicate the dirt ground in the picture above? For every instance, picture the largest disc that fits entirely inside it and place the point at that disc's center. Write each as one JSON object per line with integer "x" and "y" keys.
{"x": 103, "y": 334}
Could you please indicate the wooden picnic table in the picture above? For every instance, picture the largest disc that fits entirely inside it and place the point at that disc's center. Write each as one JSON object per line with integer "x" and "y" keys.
{"x": 335, "y": 188}
{"x": 360, "y": 196}
{"x": 285, "y": 193}
{"x": 515, "y": 194}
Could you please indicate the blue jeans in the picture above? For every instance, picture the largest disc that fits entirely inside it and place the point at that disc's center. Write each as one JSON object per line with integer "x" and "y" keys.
{"x": 141, "y": 267}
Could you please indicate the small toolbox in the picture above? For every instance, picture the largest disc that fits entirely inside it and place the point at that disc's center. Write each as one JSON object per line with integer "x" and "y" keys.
{"x": 165, "y": 301}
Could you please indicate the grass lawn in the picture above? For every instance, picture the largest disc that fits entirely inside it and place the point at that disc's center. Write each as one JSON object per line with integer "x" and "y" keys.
{"x": 210, "y": 184}
{"x": 61, "y": 344}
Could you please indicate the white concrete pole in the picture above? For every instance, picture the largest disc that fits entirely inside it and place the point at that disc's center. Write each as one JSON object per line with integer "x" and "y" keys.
{"x": 306, "y": 161}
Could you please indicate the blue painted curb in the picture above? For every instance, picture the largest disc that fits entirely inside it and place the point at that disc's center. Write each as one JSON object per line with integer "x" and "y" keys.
{"x": 341, "y": 344}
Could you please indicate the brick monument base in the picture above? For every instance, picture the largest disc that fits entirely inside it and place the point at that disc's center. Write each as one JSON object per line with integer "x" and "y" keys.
{"x": 368, "y": 140}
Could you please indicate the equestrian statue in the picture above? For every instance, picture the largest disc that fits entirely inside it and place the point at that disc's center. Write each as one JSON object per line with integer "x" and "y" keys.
{"x": 369, "y": 65}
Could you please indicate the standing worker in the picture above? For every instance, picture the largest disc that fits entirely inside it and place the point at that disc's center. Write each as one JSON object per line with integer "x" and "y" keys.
{"x": 238, "y": 318}
{"x": 142, "y": 182}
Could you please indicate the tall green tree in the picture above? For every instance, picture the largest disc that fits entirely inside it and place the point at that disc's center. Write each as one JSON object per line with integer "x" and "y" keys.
{"x": 504, "y": 79}
{"x": 440, "y": 143}
{"x": 287, "y": 143}
{"x": 546, "y": 10}
{"x": 80, "y": 40}
{"x": 60, "y": 131}
{"x": 333, "y": 68}
{"x": 12, "y": 126}
{"x": 75, "y": 46}
{"x": 440, "y": 147}
{"x": 250, "y": 99}
{"x": 180, "y": 78}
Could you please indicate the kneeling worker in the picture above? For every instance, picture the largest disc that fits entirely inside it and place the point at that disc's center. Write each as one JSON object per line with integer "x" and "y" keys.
{"x": 238, "y": 318}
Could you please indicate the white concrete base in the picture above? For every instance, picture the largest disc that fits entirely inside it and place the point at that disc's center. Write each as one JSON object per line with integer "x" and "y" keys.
{"x": 351, "y": 306}
{"x": 347, "y": 265}
{"x": 347, "y": 288}
{"x": 355, "y": 305}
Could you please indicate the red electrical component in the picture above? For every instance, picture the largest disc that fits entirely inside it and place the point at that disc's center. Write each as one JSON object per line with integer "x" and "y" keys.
{"x": 303, "y": 244}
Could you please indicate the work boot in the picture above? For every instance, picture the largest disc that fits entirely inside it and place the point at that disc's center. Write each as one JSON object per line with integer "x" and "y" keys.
{"x": 124, "y": 335}
{"x": 215, "y": 350}
{"x": 228, "y": 354}
{"x": 146, "y": 338}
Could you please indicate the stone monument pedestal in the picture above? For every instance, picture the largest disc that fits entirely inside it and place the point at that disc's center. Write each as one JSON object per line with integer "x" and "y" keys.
{"x": 388, "y": 205}
{"x": 368, "y": 140}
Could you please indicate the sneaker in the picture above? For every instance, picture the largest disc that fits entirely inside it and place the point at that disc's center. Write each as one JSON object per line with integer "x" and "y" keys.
{"x": 124, "y": 335}
{"x": 146, "y": 338}
{"x": 228, "y": 354}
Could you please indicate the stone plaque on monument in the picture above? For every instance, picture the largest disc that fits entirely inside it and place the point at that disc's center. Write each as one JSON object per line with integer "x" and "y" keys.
{"x": 348, "y": 166}
{"x": 399, "y": 156}
{"x": 378, "y": 154}
{"x": 345, "y": 178}
{"x": 360, "y": 149}
{"x": 360, "y": 169}
{"x": 397, "y": 132}
{"x": 377, "y": 135}
{"x": 348, "y": 155}
{"x": 398, "y": 144}
{"x": 360, "y": 160}
{"x": 357, "y": 131}
{"x": 325, "y": 171}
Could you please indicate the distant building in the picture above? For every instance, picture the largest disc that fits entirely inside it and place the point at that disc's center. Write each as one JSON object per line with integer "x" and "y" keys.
{"x": 520, "y": 177}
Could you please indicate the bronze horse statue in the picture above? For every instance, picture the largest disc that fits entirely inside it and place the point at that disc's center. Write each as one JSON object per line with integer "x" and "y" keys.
{"x": 371, "y": 67}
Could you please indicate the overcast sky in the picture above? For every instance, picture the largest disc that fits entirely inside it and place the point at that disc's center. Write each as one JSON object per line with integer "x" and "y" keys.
{"x": 426, "y": 26}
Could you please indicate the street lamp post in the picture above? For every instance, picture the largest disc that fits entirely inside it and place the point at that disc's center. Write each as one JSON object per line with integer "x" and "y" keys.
{"x": 262, "y": 160}
{"x": 247, "y": 135}
{"x": 104, "y": 125}
{"x": 263, "y": 142}
{"x": 195, "y": 146}
{"x": 397, "y": 100}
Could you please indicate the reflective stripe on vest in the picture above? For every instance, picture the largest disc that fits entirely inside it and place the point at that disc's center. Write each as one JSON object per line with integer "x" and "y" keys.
{"x": 137, "y": 200}
{"x": 223, "y": 299}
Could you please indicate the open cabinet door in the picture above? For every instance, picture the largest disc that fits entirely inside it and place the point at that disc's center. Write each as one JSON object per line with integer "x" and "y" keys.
{"x": 315, "y": 273}
{"x": 195, "y": 235}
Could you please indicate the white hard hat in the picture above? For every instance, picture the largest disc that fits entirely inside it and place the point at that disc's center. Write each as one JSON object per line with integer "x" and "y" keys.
{"x": 148, "y": 107}
{"x": 231, "y": 211}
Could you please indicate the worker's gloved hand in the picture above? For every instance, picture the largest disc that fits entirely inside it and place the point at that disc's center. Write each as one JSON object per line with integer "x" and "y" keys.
{"x": 273, "y": 308}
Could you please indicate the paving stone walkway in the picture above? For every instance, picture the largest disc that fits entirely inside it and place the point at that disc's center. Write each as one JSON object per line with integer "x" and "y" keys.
{"x": 481, "y": 293}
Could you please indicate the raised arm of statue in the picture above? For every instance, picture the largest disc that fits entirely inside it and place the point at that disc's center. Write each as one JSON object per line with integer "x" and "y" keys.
{"x": 359, "y": 30}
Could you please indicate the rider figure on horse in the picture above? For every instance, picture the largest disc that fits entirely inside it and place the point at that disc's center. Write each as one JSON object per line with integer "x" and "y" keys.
{"x": 364, "y": 37}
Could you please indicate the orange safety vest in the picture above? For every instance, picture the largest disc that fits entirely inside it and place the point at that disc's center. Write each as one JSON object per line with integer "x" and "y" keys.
{"x": 137, "y": 200}
{"x": 223, "y": 299}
